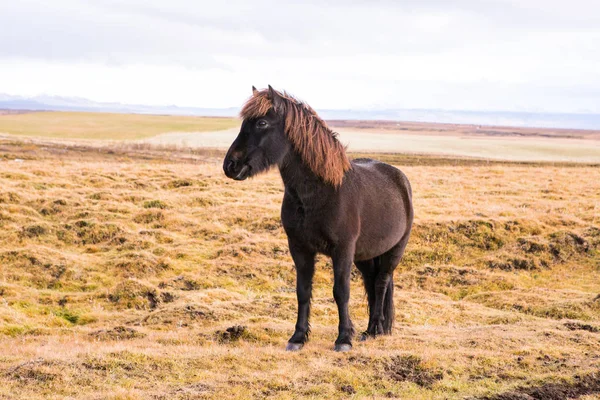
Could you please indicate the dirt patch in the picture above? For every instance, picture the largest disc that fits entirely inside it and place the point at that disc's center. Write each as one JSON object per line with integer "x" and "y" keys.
{"x": 410, "y": 368}
{"x": 348, "y": 389}
{"x": 117, "y": 333}
{"x": 231, "y": 334}
{"x": 581, "y": 385}
{"x": 578, "y": 326}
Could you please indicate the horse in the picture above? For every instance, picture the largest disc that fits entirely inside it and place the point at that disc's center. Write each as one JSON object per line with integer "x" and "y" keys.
{"x": 357, "y": 211}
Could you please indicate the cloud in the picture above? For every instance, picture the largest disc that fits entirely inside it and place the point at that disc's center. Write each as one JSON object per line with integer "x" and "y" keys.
{"x": 428, "y": 53}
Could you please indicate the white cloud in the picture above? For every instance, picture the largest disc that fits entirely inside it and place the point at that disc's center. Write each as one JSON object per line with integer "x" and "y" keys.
{"x": 495, "y": 54}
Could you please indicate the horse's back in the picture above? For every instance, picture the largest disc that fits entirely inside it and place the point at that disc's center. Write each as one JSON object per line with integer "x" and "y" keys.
{"x": 386, "y": 211}
{"x": 377, "y": 172}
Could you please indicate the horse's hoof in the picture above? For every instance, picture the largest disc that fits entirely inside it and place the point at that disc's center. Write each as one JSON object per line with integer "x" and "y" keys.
{"x": 365, "y": 336}
{"x": 342, "y": 347}
{"x": 294, "y": 346}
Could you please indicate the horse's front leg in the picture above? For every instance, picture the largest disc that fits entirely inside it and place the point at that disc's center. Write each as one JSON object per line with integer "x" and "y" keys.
{"x": 304, "y": 262}
{"x": 342, "y": 267}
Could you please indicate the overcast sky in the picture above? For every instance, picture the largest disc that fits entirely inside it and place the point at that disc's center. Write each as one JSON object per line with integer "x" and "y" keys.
{"x": 532, "y": 55}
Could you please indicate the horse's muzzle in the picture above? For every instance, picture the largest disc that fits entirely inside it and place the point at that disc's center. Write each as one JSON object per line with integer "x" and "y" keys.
{"x": 235, "y": 169}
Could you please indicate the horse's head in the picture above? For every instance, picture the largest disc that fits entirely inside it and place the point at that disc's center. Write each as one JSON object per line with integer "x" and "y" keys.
{"x": 261, "y": 143}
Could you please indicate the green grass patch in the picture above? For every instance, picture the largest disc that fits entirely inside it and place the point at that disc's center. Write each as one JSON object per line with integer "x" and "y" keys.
{"x": 89, "y": 125}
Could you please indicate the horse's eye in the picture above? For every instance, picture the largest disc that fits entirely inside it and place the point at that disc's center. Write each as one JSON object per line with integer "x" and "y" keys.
{"x": 262, "y": 123}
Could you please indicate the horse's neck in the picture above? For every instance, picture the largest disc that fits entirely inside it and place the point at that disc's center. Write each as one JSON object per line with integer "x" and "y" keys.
{"x": 300, "y": 181}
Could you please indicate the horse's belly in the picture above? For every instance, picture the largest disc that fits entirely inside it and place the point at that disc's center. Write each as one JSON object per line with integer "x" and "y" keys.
{"x": 376, "y": 239}
{"x": 368, "y": 249}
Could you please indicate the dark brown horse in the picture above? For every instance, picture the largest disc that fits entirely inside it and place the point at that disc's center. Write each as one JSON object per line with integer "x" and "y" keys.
{"x": 352, "y": 211}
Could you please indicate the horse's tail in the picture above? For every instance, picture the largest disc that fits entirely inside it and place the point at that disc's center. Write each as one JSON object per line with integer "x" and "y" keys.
{"x": 388, "y": 307}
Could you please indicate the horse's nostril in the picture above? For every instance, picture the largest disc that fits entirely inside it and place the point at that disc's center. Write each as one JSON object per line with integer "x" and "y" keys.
{"x": 230, "y": 165}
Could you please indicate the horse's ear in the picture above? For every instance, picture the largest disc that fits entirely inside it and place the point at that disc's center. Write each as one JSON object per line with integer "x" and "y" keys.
{"x": 254, "y": 91}
{"x": 275, "y": 98}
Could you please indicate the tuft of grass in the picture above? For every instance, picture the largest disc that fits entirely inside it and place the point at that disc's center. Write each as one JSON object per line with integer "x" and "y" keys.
{"x": 137, "y": 264}
{"x": 88, "y": 232}
{"x": 14, "y": 330}
{"x": 117, "y": 333}
{"x": 133, "y": 294}
{"x": 155, "y": 204}
{"x": 34, "y": 230}
{"x": 149, "y": 217}
{"x": 178, "y": 183}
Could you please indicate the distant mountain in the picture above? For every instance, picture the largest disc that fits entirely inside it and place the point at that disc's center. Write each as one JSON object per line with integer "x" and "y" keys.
{"x": 490, "y": 118}
{"x": 58, "y": 103}
{"x": 497, "y": 118}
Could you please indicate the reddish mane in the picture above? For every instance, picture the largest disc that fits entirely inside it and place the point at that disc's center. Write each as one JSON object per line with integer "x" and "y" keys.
{"x": 318, "y": 145}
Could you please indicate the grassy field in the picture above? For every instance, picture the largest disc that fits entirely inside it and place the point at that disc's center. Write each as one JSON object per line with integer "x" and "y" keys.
{"x": 133, "y": 273}
{"x": 450, "y": 144}
{"x": 501, "y": 143}
{"x": 106, "y": 126}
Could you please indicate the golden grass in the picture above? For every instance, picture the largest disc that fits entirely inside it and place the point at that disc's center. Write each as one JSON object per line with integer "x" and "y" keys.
{"x": 121, "y": 271}
{"x": 89, "y": 125}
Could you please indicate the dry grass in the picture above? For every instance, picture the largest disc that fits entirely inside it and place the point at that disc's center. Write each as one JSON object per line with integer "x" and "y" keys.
{"x": 451, "y": 143}
{"x": 89, "y": 125}
{"x": 122, "y": 269}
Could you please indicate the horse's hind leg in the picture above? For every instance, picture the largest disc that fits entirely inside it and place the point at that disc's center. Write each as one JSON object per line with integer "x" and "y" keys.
{"x": 368, "y": 270}
{"x": 382, "y": 318}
